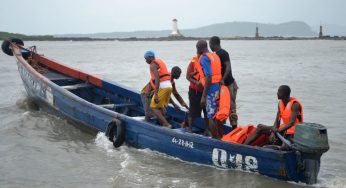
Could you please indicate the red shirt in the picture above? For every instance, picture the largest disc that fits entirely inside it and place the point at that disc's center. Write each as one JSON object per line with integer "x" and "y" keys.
{"x": 191, "y": 69}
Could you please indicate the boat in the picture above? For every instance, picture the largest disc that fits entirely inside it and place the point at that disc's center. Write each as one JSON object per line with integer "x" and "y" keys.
{"x": 110, "y": 107}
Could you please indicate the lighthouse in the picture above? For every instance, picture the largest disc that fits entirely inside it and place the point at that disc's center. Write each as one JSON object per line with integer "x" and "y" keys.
{"x": 175, "y": 31}
{"x": 257, "y": 33}
{"x": 320, "y": 34}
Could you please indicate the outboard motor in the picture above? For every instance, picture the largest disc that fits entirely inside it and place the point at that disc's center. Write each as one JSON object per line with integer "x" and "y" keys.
{"x": 311, "y": 141}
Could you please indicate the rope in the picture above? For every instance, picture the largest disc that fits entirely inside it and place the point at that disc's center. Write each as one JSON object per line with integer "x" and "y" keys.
{"x": 36, "y": 65}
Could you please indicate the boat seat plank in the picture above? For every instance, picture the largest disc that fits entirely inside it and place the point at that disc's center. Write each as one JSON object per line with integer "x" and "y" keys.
{"x": 139, "y": 118}
{"x": 54, "y": 76}
{"x": 76, "y": 86}
{"x": 116, "y": 105}
{"x": 185, "y": 130}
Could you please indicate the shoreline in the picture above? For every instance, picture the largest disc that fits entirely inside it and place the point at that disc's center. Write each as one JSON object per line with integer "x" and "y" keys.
{"x": 52, "y": 38}
{"x": 231, "y": 38}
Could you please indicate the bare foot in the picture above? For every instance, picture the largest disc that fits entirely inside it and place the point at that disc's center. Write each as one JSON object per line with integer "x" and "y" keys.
{"x": 207, "y": 133}
{"x": 168, "y": 126}
{"x": 183, "y": 125}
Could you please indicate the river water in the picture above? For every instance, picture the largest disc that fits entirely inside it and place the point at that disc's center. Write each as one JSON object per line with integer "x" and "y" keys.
{"x": 41, "y": 150}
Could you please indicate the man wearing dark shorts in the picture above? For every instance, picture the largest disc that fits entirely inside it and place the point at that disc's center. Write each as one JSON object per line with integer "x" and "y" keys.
{"x": 195, "y": 94}
{"x": 227, "y": 77}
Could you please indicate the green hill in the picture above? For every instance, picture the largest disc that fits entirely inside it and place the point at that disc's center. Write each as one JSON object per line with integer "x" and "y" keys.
{"x": 4, "y": 35}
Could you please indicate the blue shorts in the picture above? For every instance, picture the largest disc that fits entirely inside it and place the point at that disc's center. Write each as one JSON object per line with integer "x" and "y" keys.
{"x": 213, "y": 100}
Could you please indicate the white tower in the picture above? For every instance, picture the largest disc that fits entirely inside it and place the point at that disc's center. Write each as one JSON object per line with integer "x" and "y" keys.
{"x": 257, "y": 33}
{"x": 175, "y": 31}
{"x": 320, "y": 34}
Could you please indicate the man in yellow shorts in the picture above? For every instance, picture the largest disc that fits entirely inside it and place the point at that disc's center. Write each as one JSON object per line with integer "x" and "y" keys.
{"x": 160, "y": 82}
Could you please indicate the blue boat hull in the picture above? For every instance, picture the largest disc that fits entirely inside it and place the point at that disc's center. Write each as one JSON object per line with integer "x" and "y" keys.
{"x": 174, "y": 142}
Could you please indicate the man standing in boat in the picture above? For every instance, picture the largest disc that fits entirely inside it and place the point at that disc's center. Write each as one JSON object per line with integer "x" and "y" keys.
{"x": 209, "y": 70}
{"x": 147, "y": 91}
{"x": 195, "y": 95}
{"x": 161, "y": 83}
{"x": 227, "y": 77}
{"x": 290, "y": 111}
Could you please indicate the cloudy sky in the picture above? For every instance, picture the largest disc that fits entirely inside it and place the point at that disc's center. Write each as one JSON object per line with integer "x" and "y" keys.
{"x": 89, "y": 16}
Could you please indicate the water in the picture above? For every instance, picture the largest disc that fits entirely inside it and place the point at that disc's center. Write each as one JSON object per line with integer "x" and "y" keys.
{"x": 40, "y": 150}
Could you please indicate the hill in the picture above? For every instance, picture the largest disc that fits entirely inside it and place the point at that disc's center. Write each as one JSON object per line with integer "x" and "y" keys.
{"x": 228, "y": 29}
{"x": 5, "y": 35}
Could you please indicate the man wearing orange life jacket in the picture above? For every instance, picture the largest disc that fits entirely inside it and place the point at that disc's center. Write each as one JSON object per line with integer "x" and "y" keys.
{"x": 195, "y": 95}
{"x": 209, "y": 70}
{"x": 290, "y": 112}
{"x": 161, "y": 84}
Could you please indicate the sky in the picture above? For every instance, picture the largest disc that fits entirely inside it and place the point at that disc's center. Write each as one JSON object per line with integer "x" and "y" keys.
{"x": 38, "y": 17}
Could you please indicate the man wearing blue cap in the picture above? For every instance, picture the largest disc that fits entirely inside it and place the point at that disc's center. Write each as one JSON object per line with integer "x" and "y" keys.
{"x": 161, "y": 84}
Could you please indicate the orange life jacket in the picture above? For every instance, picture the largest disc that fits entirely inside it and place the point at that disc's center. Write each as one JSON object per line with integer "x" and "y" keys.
{"x": 194, "y": 60}
{"x": 192, "y": 66}
{"x": 224, "y": 104}
{"x": 286, "y": 112}
{"x": 215, "y": 65}
{"x": 240, "y": 134}
{"x": 163, "y": 72}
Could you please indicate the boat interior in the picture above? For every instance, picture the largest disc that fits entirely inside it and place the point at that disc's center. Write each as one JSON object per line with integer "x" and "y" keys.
{"x": 114, "y": 97}
{"x": 116, "y": 101}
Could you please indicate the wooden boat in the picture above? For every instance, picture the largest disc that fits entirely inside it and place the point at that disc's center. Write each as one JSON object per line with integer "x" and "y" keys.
{"x": 117, "y": 110}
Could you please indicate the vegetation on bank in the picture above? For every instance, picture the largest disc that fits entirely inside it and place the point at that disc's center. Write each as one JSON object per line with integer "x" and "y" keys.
{"x": 5, "y": 35}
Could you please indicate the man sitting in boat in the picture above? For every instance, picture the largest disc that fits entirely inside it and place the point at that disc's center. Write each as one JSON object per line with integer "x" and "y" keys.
{"x": 160, "y": 82}
{"x": 209, "y": 70}
{"x": 290, "y": 111}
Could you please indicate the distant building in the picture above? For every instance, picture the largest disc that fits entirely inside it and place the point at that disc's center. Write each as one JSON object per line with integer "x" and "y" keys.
{"x": 320, "y": 34}
{"x": 175, "y": 31}
{"x": 257, "y": 33}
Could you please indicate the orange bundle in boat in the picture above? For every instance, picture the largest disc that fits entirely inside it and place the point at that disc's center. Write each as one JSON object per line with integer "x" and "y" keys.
{"x": 224, "y": 104}
{"x": 240, "y": 134}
